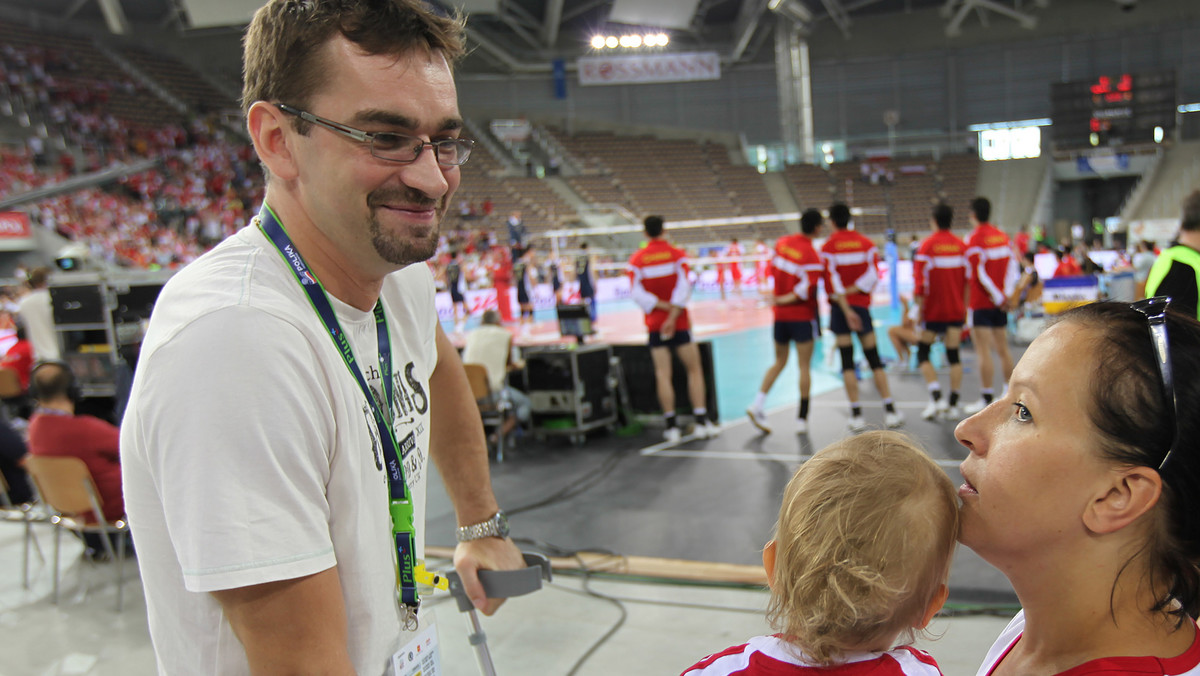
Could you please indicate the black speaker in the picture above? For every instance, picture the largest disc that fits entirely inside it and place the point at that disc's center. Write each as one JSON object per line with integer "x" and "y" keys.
{"x": 77, "y": 305}
{"x": 638, "y": 371}
{"x": 571, "y": 383}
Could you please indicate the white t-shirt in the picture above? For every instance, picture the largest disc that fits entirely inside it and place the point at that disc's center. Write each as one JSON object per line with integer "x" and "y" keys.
{"x": 489, "y": 345}
{"x": 1187, "y": 664}
{"x": 249, "y": 453}
{"x": 38, "y": 317}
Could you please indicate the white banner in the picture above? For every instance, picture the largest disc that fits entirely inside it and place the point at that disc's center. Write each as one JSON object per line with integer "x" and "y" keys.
{"x": 649, "y": 68}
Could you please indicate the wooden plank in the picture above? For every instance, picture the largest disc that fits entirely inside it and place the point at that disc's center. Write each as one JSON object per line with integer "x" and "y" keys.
{"x": 647, "y": 566}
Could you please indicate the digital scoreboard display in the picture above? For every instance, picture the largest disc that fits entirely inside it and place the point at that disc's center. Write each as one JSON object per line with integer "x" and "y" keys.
{"x": 1113, "y": 110}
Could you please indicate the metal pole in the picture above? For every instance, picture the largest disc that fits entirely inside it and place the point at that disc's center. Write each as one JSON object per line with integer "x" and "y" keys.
{"x": 479, "y": 639}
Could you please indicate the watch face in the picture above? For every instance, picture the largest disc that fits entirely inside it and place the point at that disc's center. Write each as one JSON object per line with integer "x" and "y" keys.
{"x": 502, "y": 524}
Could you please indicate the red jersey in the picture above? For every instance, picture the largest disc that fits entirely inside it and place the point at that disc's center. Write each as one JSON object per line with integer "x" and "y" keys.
{"x": 940, "y": 277}
{"x": 772, "y": 656}
{"x": 991, "y": 267}
{"x": 851, "y": 259}
{"x": 764, "y": 260}
{"x": 1186, "y": 664}
{"x": 797, "y": 268}
{"x": 659, "y": 271}
{"x": 502, "y": 269}
{"x": 1021, "y": 242}
{"x": 735, "y": 267}
{"x": 20, "y": 359}
{"x": 90, "y": 439}
{"x": 1068, "y": 267}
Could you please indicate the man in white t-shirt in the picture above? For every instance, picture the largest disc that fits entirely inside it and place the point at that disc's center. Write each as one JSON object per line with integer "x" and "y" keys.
{"x": 283, "y": 369}
{"x": 36, "y": 312}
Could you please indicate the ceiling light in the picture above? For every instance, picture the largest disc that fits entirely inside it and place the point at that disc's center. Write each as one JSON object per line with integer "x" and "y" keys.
{"x": 597, "y": 42}
{"x": 611, "y": 42}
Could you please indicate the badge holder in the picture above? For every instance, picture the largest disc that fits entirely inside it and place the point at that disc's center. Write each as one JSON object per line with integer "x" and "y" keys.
{"x": 498, "y": 584}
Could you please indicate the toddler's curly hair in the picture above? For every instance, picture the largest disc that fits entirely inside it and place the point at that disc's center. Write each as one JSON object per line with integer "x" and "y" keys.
{"x": 864, "y": 540}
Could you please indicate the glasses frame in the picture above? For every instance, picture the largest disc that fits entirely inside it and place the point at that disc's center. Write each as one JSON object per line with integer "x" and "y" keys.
{"x": 463, "y": 145}
{"x": 1155, "y": 311}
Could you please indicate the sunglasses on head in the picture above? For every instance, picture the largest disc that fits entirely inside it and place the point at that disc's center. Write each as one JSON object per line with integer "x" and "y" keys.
{"x": 1155, "y": 311}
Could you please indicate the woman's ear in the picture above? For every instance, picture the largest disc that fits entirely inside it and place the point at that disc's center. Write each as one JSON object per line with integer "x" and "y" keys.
{"x": 1132, "y": 492}
{"x": 769, "y": 562}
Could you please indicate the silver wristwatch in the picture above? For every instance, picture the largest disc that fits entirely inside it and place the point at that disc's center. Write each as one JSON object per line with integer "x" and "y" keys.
{"x": 495, "y": 527}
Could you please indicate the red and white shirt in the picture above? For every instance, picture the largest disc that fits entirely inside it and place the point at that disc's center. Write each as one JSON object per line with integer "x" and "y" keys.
{"x": 659, "y": 271}
{"x": 735, "y": 267}
{"x": 797, "y": 269}
{"x": 940, "y": 277}
{"x": 1187, "y": 664}
{"x": 773, "y": 656}
{"x": 991, "y": 267}
{"x": 851, "y": 259}
{"x": 764, "y": 260}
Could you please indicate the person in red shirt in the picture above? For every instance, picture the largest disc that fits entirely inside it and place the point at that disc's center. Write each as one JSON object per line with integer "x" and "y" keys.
{"x": 735, "y": 266}
{"x": 501, "y": 269}
{"x": 851, "y": 272}
{"x": 659, "y": 276}
{"x": 797, "y": 269}
{"x": 55, "y": 430}
{"x": 19, "y": 357}
{"x": 940, "y": 291}
{"x": 993, "y": 272}
{"x": 1067, "y": 265}
{"x": 1021, "y": 241}
{"x": 762, "y": 262}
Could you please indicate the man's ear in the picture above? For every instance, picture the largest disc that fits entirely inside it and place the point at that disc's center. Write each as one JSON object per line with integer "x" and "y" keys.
{"x": 266, "y": 125}
{"x": 1132, "y": 492}
{"x": 935, "y": 604}
{"x": 769, "y": 562}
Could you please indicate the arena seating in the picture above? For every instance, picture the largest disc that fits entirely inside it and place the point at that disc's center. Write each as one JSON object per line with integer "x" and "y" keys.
{"x": 180, "y": 80}
{"x": 105, "y": 115}
{"x": 81, "y": 74}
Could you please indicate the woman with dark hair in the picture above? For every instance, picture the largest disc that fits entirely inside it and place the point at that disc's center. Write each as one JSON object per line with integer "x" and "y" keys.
{"x": 1082, "y": 487}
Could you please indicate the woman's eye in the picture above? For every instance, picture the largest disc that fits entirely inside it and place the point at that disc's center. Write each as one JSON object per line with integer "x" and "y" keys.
{"x": 1022, "y": 413}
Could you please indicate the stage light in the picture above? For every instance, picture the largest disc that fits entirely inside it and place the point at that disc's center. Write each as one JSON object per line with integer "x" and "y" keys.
{"x": 597, "y": 42}
{"x": 611, "y": 42}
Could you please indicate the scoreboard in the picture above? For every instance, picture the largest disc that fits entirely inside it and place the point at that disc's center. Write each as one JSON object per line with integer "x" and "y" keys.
{"x": 1112, "y": 110}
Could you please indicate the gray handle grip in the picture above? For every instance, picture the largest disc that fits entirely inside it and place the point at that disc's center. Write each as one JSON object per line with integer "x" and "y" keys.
{"x": 501, "y": 584}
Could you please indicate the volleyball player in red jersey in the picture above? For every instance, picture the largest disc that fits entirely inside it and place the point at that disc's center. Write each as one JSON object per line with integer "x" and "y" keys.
{"x": 659, "y": 273}
{"x": 797, "y": 268}
{"x": 993, "y": 272}
{"x": 940, "y": 291}
{"x": 851, "y": 272}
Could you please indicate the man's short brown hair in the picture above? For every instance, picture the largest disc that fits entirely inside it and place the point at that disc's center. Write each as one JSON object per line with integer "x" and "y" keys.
{"x": 1191, "y": 211}
{"x": 283, "y": 59}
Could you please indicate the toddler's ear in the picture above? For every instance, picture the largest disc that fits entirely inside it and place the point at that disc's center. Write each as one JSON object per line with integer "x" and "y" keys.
{"x": 935, "y": 604}
{"x": 769, "y": 562}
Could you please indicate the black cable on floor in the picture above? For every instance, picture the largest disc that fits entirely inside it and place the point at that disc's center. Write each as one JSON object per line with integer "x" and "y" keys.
{"x": 577, "y": 486}
{"x": 554, "y": 550}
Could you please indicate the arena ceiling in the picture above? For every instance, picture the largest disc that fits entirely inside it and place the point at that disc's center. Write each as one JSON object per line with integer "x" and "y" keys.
{"x": 513, "y": 36}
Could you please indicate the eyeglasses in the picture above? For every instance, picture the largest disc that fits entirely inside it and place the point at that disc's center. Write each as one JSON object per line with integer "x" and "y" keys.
{"x": 1155, "y": 311}
{"x": 385, "y": 145}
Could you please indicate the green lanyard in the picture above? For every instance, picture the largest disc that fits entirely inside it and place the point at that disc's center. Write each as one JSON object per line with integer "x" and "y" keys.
{"x": 400, "y": 503}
